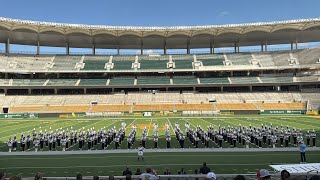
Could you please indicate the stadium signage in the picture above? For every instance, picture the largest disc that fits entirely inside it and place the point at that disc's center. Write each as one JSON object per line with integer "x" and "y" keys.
{"x": 26, "y": 115}
{"x": 282, "y": 112}
{"x": 297, "y": 168}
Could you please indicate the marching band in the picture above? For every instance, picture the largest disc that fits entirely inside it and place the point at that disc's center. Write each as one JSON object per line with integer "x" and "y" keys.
{"x": 241, "y": 136}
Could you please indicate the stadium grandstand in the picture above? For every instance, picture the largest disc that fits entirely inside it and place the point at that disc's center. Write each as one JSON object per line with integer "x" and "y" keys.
{"x": 121, "y": 95}
{"x": 218, "y": 81}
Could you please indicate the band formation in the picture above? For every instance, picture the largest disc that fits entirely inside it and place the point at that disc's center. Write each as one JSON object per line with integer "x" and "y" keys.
{"x": 241, "y": 136}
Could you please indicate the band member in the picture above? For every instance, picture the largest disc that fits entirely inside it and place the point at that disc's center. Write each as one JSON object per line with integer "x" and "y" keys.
{"x": 129, "y": 143}
{"x": 286, "y": 139}
{"x": 54, "y": 140}
{"x": 41, "y": 142}
{"x": 313, "y": 136}
{"x": 9, "y": 143}
{"x": 274, "y": 140}
{"x": 50, "y": 143}
{"x": 308, "y": 135}
{"x": 14, "y": 143}
{"x": 63, "y": 143}
{"x": 117, "y": 139}
{"x": 103, "y": 142}
{"x": 144, "y": 140}
{"x": 140, "y": 152}
{"x": 23, "y": 143}
{"x": 80, "y": 142}
{"x": 182, "y": 141}
{"x": 89, "y": 143}
{"x": 168, "y": 139}
{"x": 36, "y": 144}
{"x": 28, "y": 142}
{"x": 156, "y": 142}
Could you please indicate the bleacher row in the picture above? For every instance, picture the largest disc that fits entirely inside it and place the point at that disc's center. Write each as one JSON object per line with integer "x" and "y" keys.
{"x": 118, "y": 63}
{"x": 159, "y": 107}
{"x": 156, "y": 81}
{"x": 149, "y": 98}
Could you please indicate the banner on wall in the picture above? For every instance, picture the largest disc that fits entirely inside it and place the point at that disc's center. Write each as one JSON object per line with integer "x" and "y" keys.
{"x": 282, "y": 111}
{"x": 25, "y": 115}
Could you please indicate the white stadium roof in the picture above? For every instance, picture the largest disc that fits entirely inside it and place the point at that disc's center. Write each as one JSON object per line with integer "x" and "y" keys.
{"x": 172, "y": 37}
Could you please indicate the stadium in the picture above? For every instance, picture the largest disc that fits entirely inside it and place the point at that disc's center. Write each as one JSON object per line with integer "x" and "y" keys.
{"x": 253, "y": 102}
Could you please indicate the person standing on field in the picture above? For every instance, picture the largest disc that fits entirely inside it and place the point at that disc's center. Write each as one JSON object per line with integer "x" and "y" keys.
{"x": 303, "y": 152}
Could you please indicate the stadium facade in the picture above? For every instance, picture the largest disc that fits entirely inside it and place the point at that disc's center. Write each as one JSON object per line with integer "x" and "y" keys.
{"x": 294, "y": 70}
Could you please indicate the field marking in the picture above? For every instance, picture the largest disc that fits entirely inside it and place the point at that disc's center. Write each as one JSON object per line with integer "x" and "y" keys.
{"x": 177, "y": 155}
{"x": 135, "y": 165}
{"x": 149, "y": 127}
{"x": 209, "y": 122}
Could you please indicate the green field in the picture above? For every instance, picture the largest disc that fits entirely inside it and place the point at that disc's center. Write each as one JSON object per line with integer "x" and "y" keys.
{"x": 113, "y": 164}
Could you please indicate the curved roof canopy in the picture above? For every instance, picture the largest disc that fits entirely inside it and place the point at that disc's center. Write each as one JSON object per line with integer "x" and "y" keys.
{"x": 173, "y": 37}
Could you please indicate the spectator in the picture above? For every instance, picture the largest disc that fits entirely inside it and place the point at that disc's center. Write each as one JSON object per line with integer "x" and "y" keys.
{"x": 211, "y": 176}
{"x": 263, "y": 174}
{"x": 111, "y": 177}
{"x": 149, "y": 175}
{"x": 95, "y": 177}
{"x": 15, "y": 178}
{"x": 128, "y": 177}
{"x": 79, "y": 177}
{"x": 303, "y": 152}
{"x": 285, "y": 175}
{"x": 204, "y": 169}
{"x": 38, "y": 176}
{"x": 138, "y": 172}
{"x": 315, "y": 177}
{"x": 181, "y": 171}
{"x": 2, "y": 175}
{"x": 167, "y": 172}
{"x": 239, "y": 177}
{"x": 126, "y": 172}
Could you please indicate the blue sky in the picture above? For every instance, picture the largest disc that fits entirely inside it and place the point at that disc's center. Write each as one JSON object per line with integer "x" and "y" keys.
{"x": 160, "y": 12}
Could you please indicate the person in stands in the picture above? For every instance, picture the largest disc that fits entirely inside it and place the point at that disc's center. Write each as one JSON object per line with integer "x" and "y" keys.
{"x": 204, "y": 169}
{"x": 263, "y": 174}
{"x": 126, "y": 172}
{"x": 149, "y": 175}
{"x": 138, "y": 172}
{"x": 285, "y": 175}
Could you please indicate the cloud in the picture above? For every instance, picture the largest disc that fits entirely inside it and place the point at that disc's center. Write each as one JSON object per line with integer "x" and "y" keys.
{"x": 223, "y": 13}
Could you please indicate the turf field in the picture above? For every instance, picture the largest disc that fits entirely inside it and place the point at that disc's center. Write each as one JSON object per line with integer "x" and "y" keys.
{"x": 106, "y": 164}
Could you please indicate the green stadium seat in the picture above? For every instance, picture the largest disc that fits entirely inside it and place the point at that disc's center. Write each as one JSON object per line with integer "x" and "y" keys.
{"x": 93, "y": 82}
{"x": 153, "y": 64}
{"x": 94, "y": 64}
{"x": 185, "y": 80}
{"x": 244, "y": 80}
{"x": 216, "y": 80}
{"x": 62, "y": 82}
{"x": 122, "y": 81}
{"x": 28, "y": 82}
{"x": 211, "y": 62}
{"x": 156, "y": 80}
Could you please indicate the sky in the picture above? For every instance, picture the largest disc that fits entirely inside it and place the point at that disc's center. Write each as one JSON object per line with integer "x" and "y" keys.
{"x": 159, "y": 12}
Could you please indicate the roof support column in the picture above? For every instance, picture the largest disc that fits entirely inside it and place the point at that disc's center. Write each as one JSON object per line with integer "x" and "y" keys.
{"x": 291, "y": 45}
{"x": 297, "y": 43}
{"x": 8, "y": 46}
{"x": 235, "y": 47}
{"x": 93, "y": 49}
{"x": 212, "y": 47}
{"x": 266, "y": 46}
{"x": 188, "y": 46}
{"x": 261, "y": 47}
{"x": 38, "y": 47}
{"x": 141, "y": 51}
{"x": 67, "y": 48}
{"x": 238, "y": 47}
{"x": 165, "y": 47}
{"x": 118, "y": 50}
